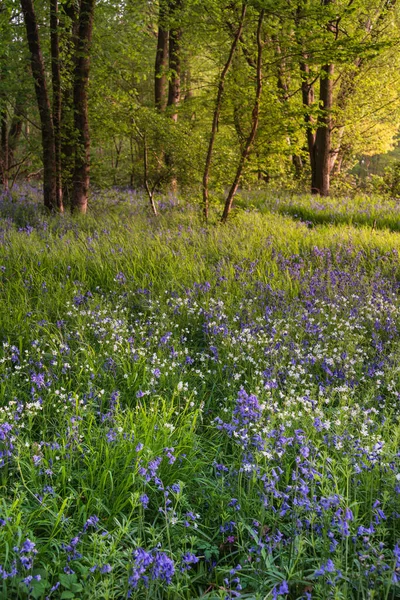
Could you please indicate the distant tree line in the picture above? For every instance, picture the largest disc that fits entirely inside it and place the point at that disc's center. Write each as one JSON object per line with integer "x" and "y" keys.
{"x": 208, "y": 95}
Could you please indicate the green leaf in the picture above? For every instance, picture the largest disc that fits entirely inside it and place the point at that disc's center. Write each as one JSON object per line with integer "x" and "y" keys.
{"x": 39, "y": 588}
{"x": 67, "y": 594}
{"x": 67, "y": 580}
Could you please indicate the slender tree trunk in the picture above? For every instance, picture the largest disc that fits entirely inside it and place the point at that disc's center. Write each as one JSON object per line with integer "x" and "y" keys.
{"x": 187, "y": 78}
{"x": 308, "y": 97}
{"x": 174, "y": 88}
{"x": 56, "y": 81}
{"x": 323, "y": 137}
{"x": 69, "y": 27}
{"x": 48, "y": 140}
{"x": 161, "y": 66}
{"x": 15, "y": 131}
{"x": 150, "y": 192}
{"x": 175, "y": 36}
{"x": 81, "y": 176}
{"x": 252, "y": 135}
{"x": 217, "y": 111}
{"x": 4, "y": 147}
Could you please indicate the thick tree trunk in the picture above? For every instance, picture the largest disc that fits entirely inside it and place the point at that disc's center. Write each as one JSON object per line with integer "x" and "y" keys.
{"x": 56, "y": 81}
{"x": 217, "y": 110}
{"x": 81, "y": 175}
{"x": 161, "y": 66}
{"x": 322, "y": 148}
{"x": 48, "y": 140}
{"x": 252, "y": 135}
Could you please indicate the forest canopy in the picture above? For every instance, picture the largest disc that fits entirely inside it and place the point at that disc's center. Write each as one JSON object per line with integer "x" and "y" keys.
{"x": 207, "y": 95}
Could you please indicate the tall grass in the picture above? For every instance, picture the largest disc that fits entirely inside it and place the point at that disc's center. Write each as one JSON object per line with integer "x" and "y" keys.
{"x": 197, "y": 412}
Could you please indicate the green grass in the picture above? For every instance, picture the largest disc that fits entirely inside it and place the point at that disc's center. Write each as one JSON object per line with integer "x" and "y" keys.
{"x": 264, "y": 353}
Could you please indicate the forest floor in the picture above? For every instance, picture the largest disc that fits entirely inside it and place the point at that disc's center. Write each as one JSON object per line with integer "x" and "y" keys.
{"x": 200, "y": 412}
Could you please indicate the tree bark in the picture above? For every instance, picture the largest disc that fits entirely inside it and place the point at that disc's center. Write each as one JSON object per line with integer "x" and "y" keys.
{"x": 48, "y": 140}
{"x": 308, "y": 97}
{"x": 15, "y": 131}
{"x": 217, "y": 110}
{"x": 252, "y": 135}
{"x": 322, "y": 147}
{"x": 69, "y": 26}
{"x": 175, "y": 36}
{"x": 81, "y": 175}
{"x": 150, "y": 192}
{"x": 56, "y": 82}
{"x": 4, "y": 148}
{"x": 174, "y": 88}
{"x": 161, "y": 66}
{"x": 187, "y": 84}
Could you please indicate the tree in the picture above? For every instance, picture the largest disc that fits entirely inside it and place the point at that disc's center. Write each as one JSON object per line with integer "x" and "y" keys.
{"x": 254, "y": 125}
{"x": 217, "y": 110}
{"x": 51, "y": 198}
{"x": 81, "y": 176}
{"x": 337, "y": 82}
{"x": 57, "y": 94}
{"x": 161, "y": 64}
{"x": 174, "y": 52}
{"x": 190, "y": 69}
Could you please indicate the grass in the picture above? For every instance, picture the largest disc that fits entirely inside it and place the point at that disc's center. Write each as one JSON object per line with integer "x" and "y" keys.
{"x": 362, "y": 210}
{"x": 199, "y": 412}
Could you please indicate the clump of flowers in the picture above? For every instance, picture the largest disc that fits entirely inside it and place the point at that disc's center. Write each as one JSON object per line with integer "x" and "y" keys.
{"x": 150, "y": 566}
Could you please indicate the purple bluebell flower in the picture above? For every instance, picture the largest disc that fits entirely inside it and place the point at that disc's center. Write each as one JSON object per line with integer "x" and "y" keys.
{"x": 144, "y": 500}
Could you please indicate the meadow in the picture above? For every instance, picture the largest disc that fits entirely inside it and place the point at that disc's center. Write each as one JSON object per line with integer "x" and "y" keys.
{"x": 191, "y": 411}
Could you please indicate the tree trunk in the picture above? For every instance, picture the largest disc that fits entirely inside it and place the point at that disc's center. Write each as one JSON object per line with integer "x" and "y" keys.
{"x": 56, "y": 81}
{"x": 217, "y": 110}
{"x": 81, "y": 175}
{"x": 255, "y": 115}
{"x": 175, "y": 35}
{"x": 69, "y": 27}
{"x": 15, "y": 131}
{"x": 174, "y": 88}
{"x": 187, "y": 85}
{"x": 150, "y": 192}
{"x": 48, "y": 140}
{"x": 322, "y": 148}
{"x": 308, "y": 97}
{"x": 161, "y": 66}
{"x": 4, "y": 148}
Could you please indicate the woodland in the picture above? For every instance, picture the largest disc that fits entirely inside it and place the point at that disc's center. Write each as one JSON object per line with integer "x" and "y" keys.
{"x": 205, "y": 96}
{"x": 199, "y": 300}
